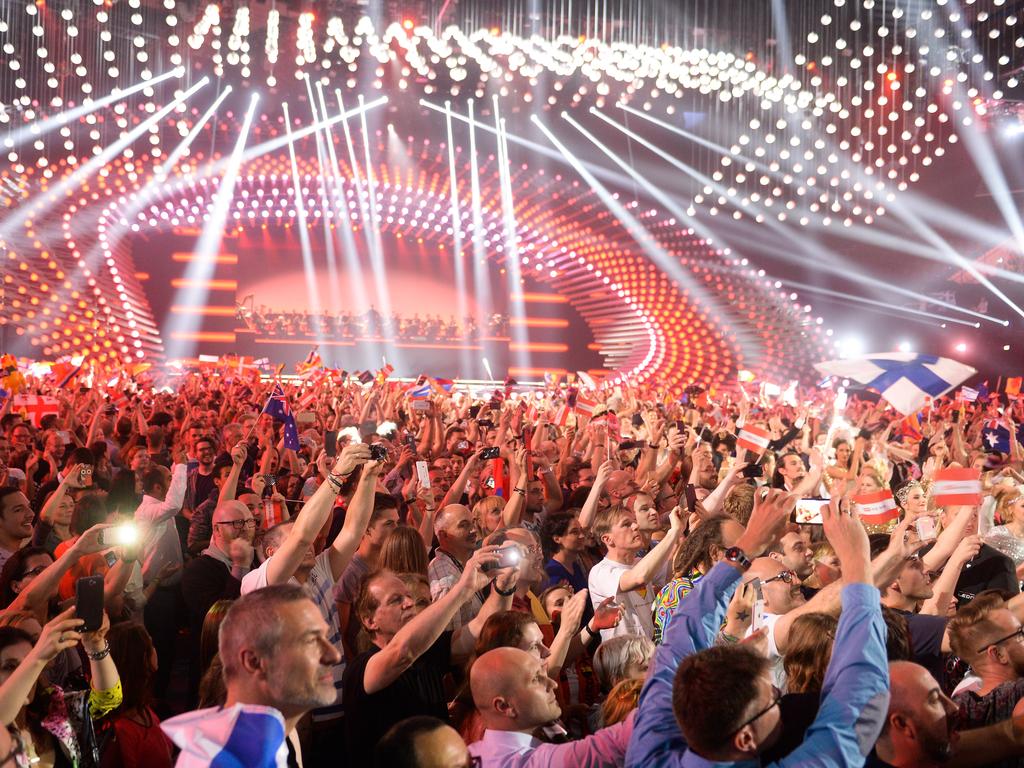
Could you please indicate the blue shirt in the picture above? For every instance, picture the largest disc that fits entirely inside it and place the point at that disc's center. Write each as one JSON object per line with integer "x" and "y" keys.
{"x": 855, "y": 695}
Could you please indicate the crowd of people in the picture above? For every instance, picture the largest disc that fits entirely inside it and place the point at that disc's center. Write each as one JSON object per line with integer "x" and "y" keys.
{"x": 476, "y": 580}
{"x": 371, "y": 324}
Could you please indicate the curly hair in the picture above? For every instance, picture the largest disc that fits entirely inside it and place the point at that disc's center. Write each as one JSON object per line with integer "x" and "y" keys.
{"x": 810, "y": 649}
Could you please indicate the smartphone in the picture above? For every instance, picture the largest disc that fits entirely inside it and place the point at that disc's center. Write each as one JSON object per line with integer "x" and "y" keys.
{"x": 630, "y": 445}
{"x": 956, "y": 416}
{"x": 489, "y": 483}
{"x": 690, "y": 494}
{"x": 490, "y": 453}
{"x": 270, "y": 480}
{"x": 808, "y": 511}
{"x": 126, "y": 533}
{"x": 89, "y": 602}
{"x": 753, "y": 471}
{"x": 410, "y": 440}
{"x": 421, "y": 405}
{"x": 331, "y": 442}
{"x": 423, "y": 474}
{"x": 474, "y": 410}
{"x": 378, "y": 451}
{"x": 507, "y": 557}
{"x": 462, "y": 445}
{"x": 486, "y": 424}
{"x": 757, "y": 619}
{"x": 925, "y": 528}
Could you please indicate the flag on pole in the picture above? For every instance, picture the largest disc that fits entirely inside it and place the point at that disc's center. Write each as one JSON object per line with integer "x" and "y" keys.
{"x": 753, "y": 439}
{"x": 1013, "y": 385}
{"x": 956, "y": 486}
{"x": 968, "y": 394}
{"x": 277, "y": 406}
{"x": 586, "y": 379}
{"x": 66, "y": 373}
{"x": 311, "y": 363}
{"x": 36, "y": 407}
{"x": 906, "y": 380}
{"x": 995, "y": 436}
{"x": 562, "y": 416}
{"x": 876, "y": 508}
{"x": 419, "y": 391}
{"x": 244, "y": 734}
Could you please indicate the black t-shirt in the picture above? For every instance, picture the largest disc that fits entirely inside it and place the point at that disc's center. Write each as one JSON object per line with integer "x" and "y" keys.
{"x": 417, "y": 691}
{"x": 990, "y": 569}
{"x": 874, "y": 761}
{"x": 797, "y": 711}
{"x": 926, "y": 633}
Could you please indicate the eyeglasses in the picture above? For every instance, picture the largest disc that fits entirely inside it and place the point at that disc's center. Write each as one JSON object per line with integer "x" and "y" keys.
{"x": 35, "y": 571}
{"x": 786, "y": 576}
{"x": 776, "y": 698}
{"x": 239, "y": 524}
{"x": 1017, "y": 633}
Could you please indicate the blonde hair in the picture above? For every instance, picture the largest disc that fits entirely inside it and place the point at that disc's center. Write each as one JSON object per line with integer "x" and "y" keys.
{"x": 485, "y": 506}
{"x": 1006, "y": 496}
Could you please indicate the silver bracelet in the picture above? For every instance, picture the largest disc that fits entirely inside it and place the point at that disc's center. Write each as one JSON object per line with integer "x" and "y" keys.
{"x": 101, "y": 654}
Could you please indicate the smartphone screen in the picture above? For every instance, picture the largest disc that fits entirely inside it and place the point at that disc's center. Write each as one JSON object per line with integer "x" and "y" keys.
{"x": 331, "y": 443}
{"x": 808, "y": 511}
{"x": 423, "y": 474}
{"x": 89, "y": 602}
{"x": 757, "y": 619}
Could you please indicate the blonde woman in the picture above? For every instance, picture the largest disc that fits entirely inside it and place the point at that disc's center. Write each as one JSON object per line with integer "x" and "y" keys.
{"x": 1008, "y": 538}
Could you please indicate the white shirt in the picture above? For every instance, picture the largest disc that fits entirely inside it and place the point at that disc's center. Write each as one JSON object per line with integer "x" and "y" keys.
{"x": 160, "y": 542}
{"x": 320, "y": 587}
{"x": 637, "y": 618}
{"x": 769, "y": 620}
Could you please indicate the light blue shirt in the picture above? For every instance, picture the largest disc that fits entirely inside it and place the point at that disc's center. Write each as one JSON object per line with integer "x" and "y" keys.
{"x": 855, "y": 695}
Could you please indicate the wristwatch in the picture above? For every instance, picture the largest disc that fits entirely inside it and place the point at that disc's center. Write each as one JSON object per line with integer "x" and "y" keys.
{"x": 738, "y": 556}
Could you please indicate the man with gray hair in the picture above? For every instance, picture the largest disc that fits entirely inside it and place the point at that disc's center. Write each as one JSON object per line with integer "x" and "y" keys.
{"x": 277, "y": 661}
{"x": 457, "y": 537}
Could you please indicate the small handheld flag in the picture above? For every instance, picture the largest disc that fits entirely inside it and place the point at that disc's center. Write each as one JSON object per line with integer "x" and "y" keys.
{"x": 956, "y": 486}
{"x": 753, "y": 439}
{"x": 877, "y": 508}
{"x": 277, "y": 406}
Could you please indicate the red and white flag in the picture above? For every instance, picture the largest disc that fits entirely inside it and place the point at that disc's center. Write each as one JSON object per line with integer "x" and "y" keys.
{"x": 754, "y": 439}
{"x": 307, "y": 400}
{"x": 35, "y": 407}
{"x": 562, "y": 416}
{"x": 876, "y": 508}
{"x": 957, "y": 486}
{"x": 585, "y": 405}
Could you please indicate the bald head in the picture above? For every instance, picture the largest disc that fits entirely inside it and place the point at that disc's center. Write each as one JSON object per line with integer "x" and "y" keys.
{"x": 512, "y": 691}
{"x": 232, "y": 520}
{"x": 918, "y": 728}
{"x": 230, "y": 510}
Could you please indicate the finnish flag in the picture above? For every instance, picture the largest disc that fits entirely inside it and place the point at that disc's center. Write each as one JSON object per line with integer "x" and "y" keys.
{"x": 240, "y": 736}
{"x": 905, "y": 379}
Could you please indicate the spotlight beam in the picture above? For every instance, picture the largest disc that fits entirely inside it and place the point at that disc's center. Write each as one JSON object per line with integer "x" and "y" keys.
{"x": 891, "y": 308}
{"x": 108, "y": 153}
{"x": 459, "y": 257}
{"x": 655, "y": 252}
{"x": 341, "y": 216}
{"x": 199, "y": 271}
{"x": 164, "y": 169}
{"x": 309, "y": 268}
{"x": 481, "y": 282}
{"x": 540, "y": 149}
{"x": 42, "y": 127}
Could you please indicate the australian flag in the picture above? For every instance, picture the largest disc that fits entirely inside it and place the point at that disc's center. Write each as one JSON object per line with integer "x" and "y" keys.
{"x": 995, "y": 436}
{"x": 277, "y": 406}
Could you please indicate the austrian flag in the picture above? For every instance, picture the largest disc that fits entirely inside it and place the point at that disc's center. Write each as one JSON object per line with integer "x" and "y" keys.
{"x": 957, "y": 486}
{"x": 753, "y": 439}
{"x": 876, "y": 508}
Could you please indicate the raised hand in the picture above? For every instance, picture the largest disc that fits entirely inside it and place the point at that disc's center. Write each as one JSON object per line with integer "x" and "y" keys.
{"x": 607, "y": 614}
{"x": 848, "y": 538}
{"x": 768, "y": 521}
{"x": 59, "y": 634}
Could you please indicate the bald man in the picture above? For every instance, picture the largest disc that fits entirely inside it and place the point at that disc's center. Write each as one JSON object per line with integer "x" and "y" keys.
{"x": 217, "y": 573}
{"x": 919, "y": 729}
{"x": 514, "y": 696}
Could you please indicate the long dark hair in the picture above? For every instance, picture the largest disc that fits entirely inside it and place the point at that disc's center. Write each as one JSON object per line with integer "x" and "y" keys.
{"x": 131, "y": 648}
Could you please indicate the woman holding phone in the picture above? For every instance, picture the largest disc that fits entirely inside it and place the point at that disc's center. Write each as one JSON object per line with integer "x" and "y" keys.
{"x": 52, "y": 726}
